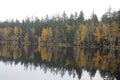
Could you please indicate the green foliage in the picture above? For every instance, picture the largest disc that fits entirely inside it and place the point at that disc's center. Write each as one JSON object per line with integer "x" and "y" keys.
{"x": 63, "y": 29}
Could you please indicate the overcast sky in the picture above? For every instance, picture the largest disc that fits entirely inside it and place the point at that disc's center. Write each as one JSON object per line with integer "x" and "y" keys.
{"x": 21, "y": 9}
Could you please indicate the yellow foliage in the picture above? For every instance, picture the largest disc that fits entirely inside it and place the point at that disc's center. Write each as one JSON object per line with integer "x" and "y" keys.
{"x": 104, "y": 65}
{"x": 16, "y": 52}
{"x": 80, "y": 34}
{"x": 26, "y": 38}
{"x": 83, "y": 32}
{"x": 17, "y": 32}
{"x": 26, "y": 48}
{"x": 113, "y": 63}
{"x": 96, "y": 59}
{"x": 5, "y": 52}
{"x": 97, "y": 34}
{"x": 82, "y": 59}
{"x": 5, "y": 32}
{"x": 15, "y": 55}
{"x": 105, "y": 30}
{"x": 46, "y": 34}
{"x": 45, "y": 55}
{"x": 114, "y": 30}
{"x": 68, "y": 27}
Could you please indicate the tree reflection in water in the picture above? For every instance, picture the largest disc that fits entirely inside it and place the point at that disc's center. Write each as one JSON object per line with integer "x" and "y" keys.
{"x": 62, "y": 59}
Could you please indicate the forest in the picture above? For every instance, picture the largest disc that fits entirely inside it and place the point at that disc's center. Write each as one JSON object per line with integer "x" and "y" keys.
{"x": 64, "y": 30}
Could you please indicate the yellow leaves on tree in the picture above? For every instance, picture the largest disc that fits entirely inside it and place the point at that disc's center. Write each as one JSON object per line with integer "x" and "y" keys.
{"x": 113, "y": 63}
{"x": 16, "y": 55}
{"x": 114, "y": 30}
{"x": 26, "y": 37}
{"x": 5, "y": 52}
{"x": 25, "y": 48}
{"x": 17, "y": 33}
{"x": 96, "y": 59}
{"x": 16, "y": 52}
{"x": 83, "y": 29}
{"x": 97, "y": 34}
{"x": 5, "y": 32}
{"x": 82, "y": 59}
{"x": 104, "y": 65}
{"x": 80, "y": 34}
{"x": 45, "y": 55}
{"x": 46, "y": 34}
{"x": 109, "y": 62}
{"x": 105, "y": 30}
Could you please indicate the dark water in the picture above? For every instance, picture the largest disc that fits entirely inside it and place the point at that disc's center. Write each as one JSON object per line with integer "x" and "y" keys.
{"x": 58, "y": 63}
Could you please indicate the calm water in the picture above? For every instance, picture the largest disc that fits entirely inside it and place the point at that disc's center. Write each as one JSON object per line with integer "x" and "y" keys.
{"x": 58, "y": 63}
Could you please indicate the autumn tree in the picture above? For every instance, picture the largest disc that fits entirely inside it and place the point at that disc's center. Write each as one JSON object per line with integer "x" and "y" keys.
{"x": 105, "y": 33}
{"x": 5, "y": 33}
{"x": 80, "y": 34}
{"x": 82, "y": 61}
{"x": 114, "y": 32}
{"x": 104, "y": 61}
{"x": 92, "y": 23}
{"x": 97, "y": 35}
{"x": 26, "y": 38}
{"x": 46, "y": 35}
{"x": 45, "y": 55}
{"x": 96, "y": 59}
{"x": 17, "y": 33}
{"x": 16, "y": 52}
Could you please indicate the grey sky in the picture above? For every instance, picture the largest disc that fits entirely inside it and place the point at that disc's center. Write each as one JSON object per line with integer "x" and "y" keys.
{"x": 21, "y": 9}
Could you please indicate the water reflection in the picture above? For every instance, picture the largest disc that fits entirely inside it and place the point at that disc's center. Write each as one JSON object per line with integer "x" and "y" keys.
{"x": 75, "y": 60}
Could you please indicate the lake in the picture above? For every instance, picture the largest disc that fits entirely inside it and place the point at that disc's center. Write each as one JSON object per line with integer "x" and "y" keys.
{"x": 24, "y": 62}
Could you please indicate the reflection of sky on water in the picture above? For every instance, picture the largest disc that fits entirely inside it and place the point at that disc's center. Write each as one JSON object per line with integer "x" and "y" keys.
{"x": 18, "y": 72}
{"x": 85, "y": 76}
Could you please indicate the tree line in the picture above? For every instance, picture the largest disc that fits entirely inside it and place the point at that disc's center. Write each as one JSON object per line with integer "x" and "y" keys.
{"x": 61, "y": 29}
